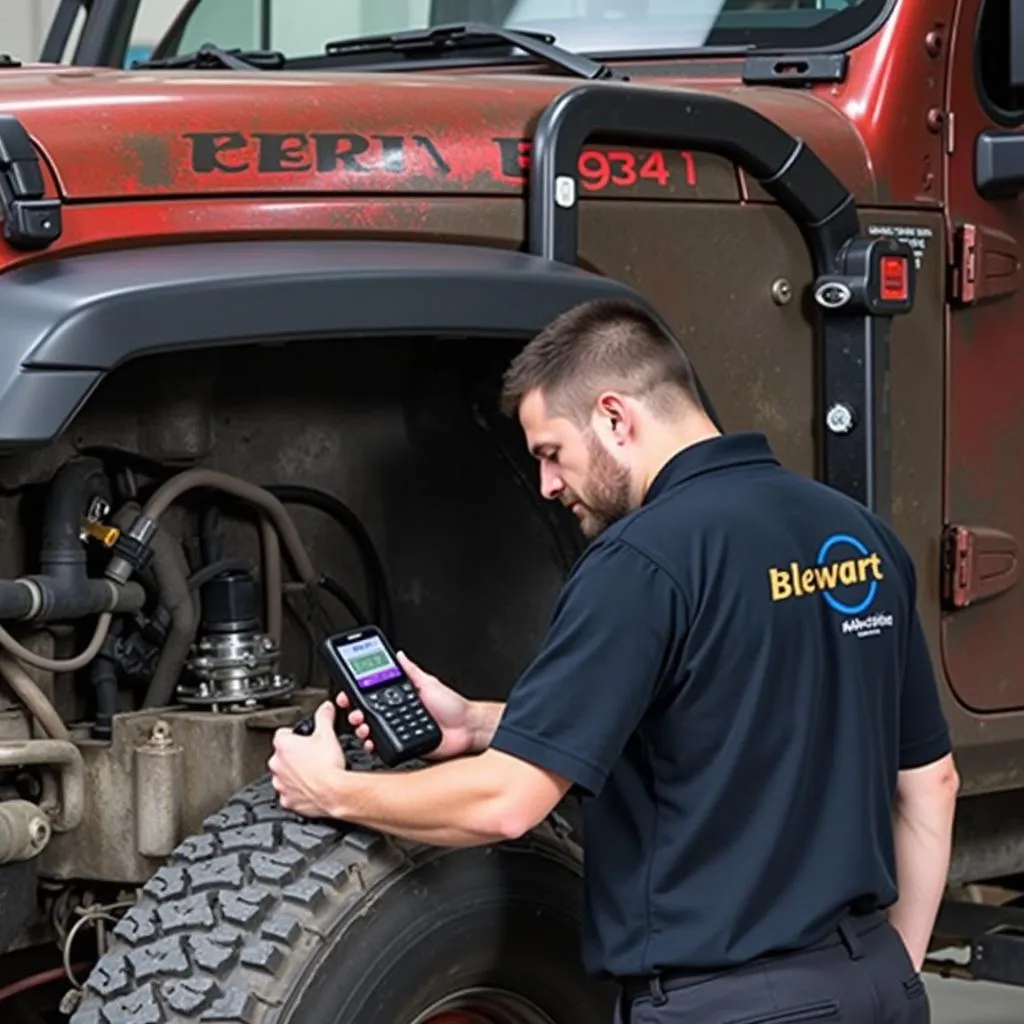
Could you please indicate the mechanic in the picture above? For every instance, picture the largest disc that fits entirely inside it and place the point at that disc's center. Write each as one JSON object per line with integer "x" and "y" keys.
{"x": 736, "y": 683}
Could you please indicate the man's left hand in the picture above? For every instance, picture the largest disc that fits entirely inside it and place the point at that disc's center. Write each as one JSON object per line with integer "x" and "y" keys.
{"x": 305, "y": 769}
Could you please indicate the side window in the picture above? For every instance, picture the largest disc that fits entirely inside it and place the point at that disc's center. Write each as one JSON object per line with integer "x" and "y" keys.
{"x": 1003, "y": 101}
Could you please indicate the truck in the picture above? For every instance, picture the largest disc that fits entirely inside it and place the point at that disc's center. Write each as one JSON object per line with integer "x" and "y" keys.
{"x": 258, "y": 289}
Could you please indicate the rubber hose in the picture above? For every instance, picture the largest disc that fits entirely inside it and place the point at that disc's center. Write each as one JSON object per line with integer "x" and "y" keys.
{"x": 376, "y": 577}
{"x": 272, "y": 578}
{"x": 63, "y": 665}
{"x": 63, "y": 553}
{"x": 28, "y": 691}
{"x": 170, "y": 570}
{"x": 190, "y": 479}
{"x": 214, "y": 569}
{"x": 211, "y": 544}
{"x": 104, "y": 685}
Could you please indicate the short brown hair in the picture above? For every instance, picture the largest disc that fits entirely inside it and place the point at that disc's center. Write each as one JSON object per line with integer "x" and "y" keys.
{"x": 606, "y": 343}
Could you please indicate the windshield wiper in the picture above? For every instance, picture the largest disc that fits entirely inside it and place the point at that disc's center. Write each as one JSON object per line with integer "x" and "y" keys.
{"x": 210, "y": 56}
{"x": 472, "y": 35}
{"x": 7, "y": 61}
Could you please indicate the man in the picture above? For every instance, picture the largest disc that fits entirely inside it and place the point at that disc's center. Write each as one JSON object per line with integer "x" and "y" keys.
{"x": 736, "y": 682}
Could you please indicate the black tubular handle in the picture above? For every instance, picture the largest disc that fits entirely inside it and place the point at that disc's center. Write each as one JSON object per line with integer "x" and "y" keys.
{"x": 860, "y": 282}
{"x": 787, "y": 168}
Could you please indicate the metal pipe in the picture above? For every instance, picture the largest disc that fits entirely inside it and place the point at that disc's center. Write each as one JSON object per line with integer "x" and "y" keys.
{"x": 53, "y": 753}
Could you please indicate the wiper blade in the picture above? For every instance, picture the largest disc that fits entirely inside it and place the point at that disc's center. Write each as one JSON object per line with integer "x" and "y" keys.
{"x": 210, "y": 56}
{"x": 7, "y": 61}
{"x": 471, "y": 35}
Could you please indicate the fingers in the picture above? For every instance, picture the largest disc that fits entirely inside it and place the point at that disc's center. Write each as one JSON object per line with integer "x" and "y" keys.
{"x": 358, "y": 722}
{"x": 412, "y": 670}
{"x": 324, "y": 716}
{"x": 356, "y": 718}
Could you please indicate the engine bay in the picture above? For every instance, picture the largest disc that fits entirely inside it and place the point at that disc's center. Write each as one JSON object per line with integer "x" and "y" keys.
{"x": 169, "y": 567}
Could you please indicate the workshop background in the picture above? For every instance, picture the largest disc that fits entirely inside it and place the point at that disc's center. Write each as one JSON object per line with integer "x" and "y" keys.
{"x": 300, "y": 26}
{"x": 295, "y": 25}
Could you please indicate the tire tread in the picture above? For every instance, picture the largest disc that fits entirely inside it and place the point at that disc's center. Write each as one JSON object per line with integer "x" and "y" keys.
{"x": 218, "y": 933}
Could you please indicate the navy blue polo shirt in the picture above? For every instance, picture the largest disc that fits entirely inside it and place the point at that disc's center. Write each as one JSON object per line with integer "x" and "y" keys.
{"x": 733, "y": 676}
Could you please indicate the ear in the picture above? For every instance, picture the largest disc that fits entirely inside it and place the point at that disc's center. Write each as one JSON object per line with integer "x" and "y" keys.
{"x": 615, "y": 418}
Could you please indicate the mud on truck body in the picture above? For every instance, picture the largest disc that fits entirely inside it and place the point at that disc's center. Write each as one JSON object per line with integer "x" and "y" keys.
{"x": 255, "y": 309}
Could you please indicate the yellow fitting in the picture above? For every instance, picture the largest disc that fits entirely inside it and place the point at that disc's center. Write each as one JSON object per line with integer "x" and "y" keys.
{"x": 106, "y": 535}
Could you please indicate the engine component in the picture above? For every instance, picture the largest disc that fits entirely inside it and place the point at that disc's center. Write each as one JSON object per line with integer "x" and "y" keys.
{"x": 159, "y": 789}
{"x": 235, "y": 661}
{"x": 65, "y": 812}
{"x": 24, "y": 831}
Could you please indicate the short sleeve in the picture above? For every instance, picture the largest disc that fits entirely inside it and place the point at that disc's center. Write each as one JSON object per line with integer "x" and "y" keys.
{"x": 615, "y": 631}
{"x": 924, "y": 732}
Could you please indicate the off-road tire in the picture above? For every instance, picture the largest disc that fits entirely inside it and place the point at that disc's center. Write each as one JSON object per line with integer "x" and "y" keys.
{"x": 266, "y": 918}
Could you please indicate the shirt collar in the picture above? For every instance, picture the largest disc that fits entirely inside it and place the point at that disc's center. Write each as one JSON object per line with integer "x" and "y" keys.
{"x": 726, "y": 452}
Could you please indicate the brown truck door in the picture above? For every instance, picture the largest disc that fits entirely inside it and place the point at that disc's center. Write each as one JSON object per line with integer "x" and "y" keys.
{"x": 983, "y": 631}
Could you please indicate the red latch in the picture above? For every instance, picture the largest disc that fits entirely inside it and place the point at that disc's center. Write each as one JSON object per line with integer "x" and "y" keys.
{"x": 895, "y": 286}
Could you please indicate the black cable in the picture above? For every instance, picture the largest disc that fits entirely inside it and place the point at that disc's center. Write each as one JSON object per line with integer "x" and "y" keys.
{"x": 376, "y": 578}
{"x": 208, "y": 572}
{"x": 336, "y": 590}
{"x": 211, "y": 542}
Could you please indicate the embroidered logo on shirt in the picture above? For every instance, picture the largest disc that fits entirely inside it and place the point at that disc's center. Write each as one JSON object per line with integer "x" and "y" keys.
{"x": 846, "y": 575}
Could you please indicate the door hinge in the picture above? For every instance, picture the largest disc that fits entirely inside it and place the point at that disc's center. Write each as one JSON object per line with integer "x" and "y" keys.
{"x": 977, "y": 563}
{"x": 965, "y": 264}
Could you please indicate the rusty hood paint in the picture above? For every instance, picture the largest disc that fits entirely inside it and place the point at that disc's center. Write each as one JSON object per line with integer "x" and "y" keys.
{"x": 109, "y": 134}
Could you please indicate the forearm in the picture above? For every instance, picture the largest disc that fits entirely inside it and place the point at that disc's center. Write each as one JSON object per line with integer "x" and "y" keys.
{"x": 456, "y": 803}
{"x": 484, "y": 719}
{"x": 923, "y": 840}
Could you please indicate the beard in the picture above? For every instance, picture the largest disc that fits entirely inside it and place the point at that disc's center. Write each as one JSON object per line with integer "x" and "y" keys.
{"x": 606, "y": 496}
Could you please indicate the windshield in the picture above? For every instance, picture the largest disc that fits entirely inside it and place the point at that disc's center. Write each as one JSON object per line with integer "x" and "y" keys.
{"x": 301, "y": 28}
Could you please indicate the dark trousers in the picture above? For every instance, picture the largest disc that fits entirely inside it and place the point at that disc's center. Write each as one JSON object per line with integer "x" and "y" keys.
{"x": 860, "y": 975}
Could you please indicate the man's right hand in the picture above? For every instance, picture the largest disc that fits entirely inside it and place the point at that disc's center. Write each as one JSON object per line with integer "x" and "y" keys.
{"x": 455, "y": 714}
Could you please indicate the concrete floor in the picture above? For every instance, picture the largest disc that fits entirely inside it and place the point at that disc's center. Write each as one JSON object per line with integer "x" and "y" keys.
{"x": 974, "y": 1002}
{"x": 953, "y": 1002}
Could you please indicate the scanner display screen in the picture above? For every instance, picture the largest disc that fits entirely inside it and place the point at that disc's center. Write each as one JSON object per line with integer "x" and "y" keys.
{"x": 369, "y": 662}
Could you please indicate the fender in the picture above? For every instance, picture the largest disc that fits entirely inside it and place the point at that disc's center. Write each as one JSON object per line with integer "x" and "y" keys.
{"x": 68, "y": 322}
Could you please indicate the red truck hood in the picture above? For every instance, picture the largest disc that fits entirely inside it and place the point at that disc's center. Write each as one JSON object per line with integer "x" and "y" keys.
{"x": 110, "y": 134}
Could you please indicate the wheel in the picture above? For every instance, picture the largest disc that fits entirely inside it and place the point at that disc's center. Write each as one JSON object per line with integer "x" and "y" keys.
{"x": 267, "y": 918}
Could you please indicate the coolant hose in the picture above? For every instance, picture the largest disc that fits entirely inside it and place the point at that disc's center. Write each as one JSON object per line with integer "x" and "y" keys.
{"x": 59, "y": 665}
{"x": 63, "y": 555}
{"x": 63, "y": 580}
{"x": 28, "y": 691}
{"x": 103, "y": 676}
{"x": 170, "y": 570}
{"x": 272, "y": 580}
{"x": 191, "y": 479}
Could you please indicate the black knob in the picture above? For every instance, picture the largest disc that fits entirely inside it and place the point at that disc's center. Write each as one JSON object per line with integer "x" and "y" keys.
{"x": 231, "y": 603}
